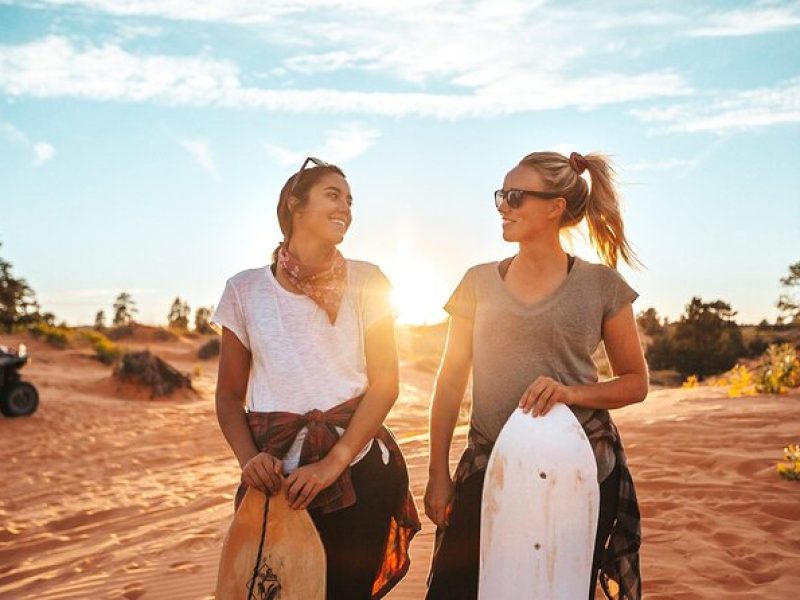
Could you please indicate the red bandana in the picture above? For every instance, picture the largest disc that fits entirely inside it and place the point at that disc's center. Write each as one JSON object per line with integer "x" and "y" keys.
{"x": 324, "y": 286}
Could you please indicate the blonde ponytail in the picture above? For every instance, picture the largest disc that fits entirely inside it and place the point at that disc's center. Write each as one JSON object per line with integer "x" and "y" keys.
{"x": 599, "y": 204}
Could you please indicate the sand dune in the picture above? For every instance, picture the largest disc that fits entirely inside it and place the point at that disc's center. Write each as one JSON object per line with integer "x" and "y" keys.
{"x": 110, "y": 497}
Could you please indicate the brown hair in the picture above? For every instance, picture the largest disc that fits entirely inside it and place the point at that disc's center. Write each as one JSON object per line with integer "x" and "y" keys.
{"x": 598, "y": 203}
{"x": 305, "y": 180}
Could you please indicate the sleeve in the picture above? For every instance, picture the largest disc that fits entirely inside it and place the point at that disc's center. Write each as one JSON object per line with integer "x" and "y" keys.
{"x": 229, "y": 314}
{"x": 463, "y": 300}
{"x": 616, "y": 293}
{"x": 377, "y": 298}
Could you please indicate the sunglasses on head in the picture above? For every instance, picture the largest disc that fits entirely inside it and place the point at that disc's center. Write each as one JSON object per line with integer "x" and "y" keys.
{"x": 316, "y": 162}
{"x": 513, "y": 197}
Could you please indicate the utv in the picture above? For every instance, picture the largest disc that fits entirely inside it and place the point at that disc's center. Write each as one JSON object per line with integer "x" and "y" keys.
{"x": 17, "y": 398}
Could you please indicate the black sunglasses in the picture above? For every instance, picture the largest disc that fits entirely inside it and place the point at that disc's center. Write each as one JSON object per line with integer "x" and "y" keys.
{"x": 316, "y": 162}
{"x": 514, "y": 197}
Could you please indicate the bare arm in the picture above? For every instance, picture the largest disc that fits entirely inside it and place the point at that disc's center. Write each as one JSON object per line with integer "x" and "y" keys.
{"x": 382, "y": 372}
{"x": 447, "y": 397}
{"x": 258, "y": 469}
{"x": 629, "y": 385}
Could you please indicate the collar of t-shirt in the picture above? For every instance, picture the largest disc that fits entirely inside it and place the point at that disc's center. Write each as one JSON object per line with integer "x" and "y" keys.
{"x": 503, "y": 266}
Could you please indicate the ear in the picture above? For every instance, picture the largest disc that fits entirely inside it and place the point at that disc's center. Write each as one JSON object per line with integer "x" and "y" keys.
{"x": 292, "y": 204}
{"x": 557, "y": 208}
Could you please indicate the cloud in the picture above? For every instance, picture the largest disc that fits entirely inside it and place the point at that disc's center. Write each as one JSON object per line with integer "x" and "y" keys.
{"x": 340, "y": 146}
{"x": 749, "y": 22}
{"x": 230, "y": 11}
{"x": 200, "y": 151}
{"x": 721, "y": 112}
{"x": 55, "y": 67}
{"x": 42, "y": 151}
{"x": 130, "y": 31}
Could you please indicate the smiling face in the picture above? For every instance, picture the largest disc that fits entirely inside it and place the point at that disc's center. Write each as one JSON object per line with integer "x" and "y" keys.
{"x": 326, "y": 214}
{"x": 535, "y": 217}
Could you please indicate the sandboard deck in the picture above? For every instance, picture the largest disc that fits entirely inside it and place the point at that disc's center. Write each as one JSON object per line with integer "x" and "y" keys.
{"x": 539, "y": 510}
{"x": 292, "y": 565}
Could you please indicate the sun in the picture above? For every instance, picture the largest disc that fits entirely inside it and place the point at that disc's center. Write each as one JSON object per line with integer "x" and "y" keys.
{"x": 417, "y": 293}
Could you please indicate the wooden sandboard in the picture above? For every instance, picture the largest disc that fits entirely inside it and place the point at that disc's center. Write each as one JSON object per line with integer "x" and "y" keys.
{"x": 292, "y": 565}
{"x": 539, "y": 510}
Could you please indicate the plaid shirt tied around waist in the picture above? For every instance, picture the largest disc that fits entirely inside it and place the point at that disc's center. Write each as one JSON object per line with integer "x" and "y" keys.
{"x": 274, "y": 433}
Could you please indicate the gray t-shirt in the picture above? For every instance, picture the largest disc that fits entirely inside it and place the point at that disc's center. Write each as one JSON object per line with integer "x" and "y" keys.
{"x": 515, "y": 342}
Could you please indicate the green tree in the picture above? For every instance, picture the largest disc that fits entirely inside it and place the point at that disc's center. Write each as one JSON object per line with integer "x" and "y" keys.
{"x": 707, "y": 340}
{"x": 202, "y": 320}
{"x": 649, "y": 322}
{"x": 661, "y": 352}
{"x": 788, "y": 303}
{"x": 18, "y": 305}
{"x": 100, "y": 320}
{"x": 124, "y": 308}
{"x": 178, "y": 317}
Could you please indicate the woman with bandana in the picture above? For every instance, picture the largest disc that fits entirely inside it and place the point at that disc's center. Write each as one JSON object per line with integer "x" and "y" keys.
{"x": 307, "y": 374}
{"x": 526, "y": 328}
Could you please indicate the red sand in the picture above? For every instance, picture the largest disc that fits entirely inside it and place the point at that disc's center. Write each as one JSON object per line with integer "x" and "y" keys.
{"x": 128, "y": 498}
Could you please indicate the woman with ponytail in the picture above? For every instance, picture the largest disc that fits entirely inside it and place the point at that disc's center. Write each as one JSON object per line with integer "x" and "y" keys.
{"x": 526, "y": 327}
{"x": 307, "y": 374}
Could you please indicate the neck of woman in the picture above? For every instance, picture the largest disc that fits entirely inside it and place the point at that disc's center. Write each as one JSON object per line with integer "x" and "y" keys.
{"x": 541, "y": 256}
{"x": 312, "y": 253}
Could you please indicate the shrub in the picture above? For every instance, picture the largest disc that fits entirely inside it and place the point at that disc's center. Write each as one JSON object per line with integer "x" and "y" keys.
{"x": 741, "y": 382}
{"x": 209, "y": 349}
{"x": 791, "y": 469}
{"x": 149, "y": 370}
{"x": 779, "y": 370}
{"x": 58, "y": 337}
{"x": 691, "y": 382}
{"x": 105, "y": 350}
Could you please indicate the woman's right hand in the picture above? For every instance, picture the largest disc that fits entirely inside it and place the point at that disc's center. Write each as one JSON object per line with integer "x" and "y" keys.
{"x": 263, "y": 472}
{"x": 438, "y": 499}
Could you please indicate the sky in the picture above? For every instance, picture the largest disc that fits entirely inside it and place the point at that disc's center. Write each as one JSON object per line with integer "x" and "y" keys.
{"x": 143, "y": 143}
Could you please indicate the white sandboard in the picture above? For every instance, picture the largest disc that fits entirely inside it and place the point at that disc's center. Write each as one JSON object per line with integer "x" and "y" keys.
{"x": 291, "y": 564}
{"x": 539, "y": 510}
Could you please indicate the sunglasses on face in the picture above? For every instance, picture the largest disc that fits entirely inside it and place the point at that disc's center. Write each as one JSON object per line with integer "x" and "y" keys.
{"x": 316, "y": 162}
{"x": 513, "y": 197}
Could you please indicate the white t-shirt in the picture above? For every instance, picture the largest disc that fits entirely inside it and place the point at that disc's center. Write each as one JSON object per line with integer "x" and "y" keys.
{"x": 300, "y": 361}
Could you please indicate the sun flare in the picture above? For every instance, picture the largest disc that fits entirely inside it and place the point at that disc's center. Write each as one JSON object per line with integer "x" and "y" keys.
{"x": 417, "y": 293}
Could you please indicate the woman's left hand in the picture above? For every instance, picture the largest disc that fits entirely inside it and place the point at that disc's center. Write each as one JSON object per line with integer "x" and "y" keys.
{"x": 305, "y": 483}
{"x": 542, "y": 394}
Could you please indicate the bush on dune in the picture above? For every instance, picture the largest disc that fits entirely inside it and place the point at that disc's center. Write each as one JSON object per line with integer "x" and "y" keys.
{"x": 58, "y": 337}
{"x": 776, "y": 372}
{"x": 791, "y": 468}
{"x": 779, "y": 370}
{"x": 105, "y": 350}
{"x": 148, "y": 369}
{"x": 210, "y": 349}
